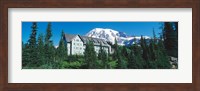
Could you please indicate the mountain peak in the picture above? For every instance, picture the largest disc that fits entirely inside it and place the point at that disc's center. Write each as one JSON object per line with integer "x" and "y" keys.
{"x": 110, "y": 35}
{"x": 106, "y": 34}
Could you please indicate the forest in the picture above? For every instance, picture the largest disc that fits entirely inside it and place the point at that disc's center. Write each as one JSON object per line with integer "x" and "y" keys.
{"x": 40, "y": 53}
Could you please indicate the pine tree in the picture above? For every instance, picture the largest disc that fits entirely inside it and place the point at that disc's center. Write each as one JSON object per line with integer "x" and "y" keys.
{"x": 154, "y": 36}
{"x": 138, "y": 57}
{"x": 132, "y": 60}
{"x": 48, "y": 34}
{"x": 170, "y": 39}
{"x": 32, "y": 47}
{"x": 52, "y": 51}
{"x": 90, "y": 55}
{"x": 62, "y": 48}
{"x": 40, "y": 49}
{"x": 152, "y": 53}
{"x": 115, "y": 46}
{"x": 135, "y": 60}
{"x": 176, "y": 39}
{"x": 124, "y": 51}
{"x": 49, "y": 49}
{"x": 100, "y": 52}
{"x": 103, "y": 56}
{"x": 162, "y": 58}
{"x": 145, "y": 54}
{"x": 121, "y": 62}
{"x": 152, "y": 47}
{"x": 25, "y": 55}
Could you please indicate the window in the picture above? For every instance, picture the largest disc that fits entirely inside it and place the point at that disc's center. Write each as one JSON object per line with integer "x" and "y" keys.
{"x": 77, "y": 39}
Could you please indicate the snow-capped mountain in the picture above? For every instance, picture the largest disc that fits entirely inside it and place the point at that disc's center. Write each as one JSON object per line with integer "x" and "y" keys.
{"x": 110, "y": 35}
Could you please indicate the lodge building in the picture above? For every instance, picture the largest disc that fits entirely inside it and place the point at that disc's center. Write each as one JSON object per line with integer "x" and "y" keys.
{"x": 76, "y": 44}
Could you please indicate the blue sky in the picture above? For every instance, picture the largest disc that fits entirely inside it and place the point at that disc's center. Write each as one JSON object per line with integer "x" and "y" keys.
{"x": 130, "y": 28}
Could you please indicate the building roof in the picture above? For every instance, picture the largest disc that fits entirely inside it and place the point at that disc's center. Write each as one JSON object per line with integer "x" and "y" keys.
{"x": 69, "y": 37}
{"x": 85, "y": 39}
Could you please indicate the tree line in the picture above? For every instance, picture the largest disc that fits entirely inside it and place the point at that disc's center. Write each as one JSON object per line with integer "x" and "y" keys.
{"x": 151, "y": 53}
{"x": 41, "y": 53}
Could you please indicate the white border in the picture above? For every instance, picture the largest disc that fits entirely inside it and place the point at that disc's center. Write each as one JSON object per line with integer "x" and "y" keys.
{"x": 182, "y": 75}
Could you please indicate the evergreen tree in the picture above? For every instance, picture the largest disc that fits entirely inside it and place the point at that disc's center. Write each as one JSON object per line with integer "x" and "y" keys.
{"x": 90, "y": 55}
{"x": 100, "y": 52}
{"x": 176, "y": 39}
{"x": 115, "y": 47}
{"x": 152, "y": 54}
{"x": 154, "y": 36}
{"x": 32, "y": 47}
{"x": 135, "y": 58}
{"x": 145, "y": 54}
{"x": 152, "y": 47}
{"x": 124, "y": 51}
{"x": 103, "y": 56}
{"x": 40, "y": 49}
{"x": 170, "y": 39}
{"x": 48, "y": 34}
{"x": 162, "y": 58}
{"x": 132, "y": 60}
{"x": 121, "y": 62}
{"x": 49, "y": 50}
{"x": 25, "y": 55}
{"x": 52, "y": 51}
{"x": 62, "y": 48}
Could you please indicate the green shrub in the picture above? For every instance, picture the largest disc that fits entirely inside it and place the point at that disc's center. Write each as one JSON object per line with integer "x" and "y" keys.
{"x": 112, "y": 64}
